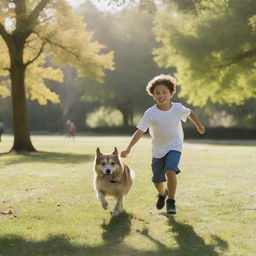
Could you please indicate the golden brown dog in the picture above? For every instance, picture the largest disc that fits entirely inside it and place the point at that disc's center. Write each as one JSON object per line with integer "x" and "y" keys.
{"x": 112, "y": 177}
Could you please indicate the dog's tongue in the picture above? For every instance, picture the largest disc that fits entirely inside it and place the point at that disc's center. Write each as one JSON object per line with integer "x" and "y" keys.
{"x": 107, "y": 177}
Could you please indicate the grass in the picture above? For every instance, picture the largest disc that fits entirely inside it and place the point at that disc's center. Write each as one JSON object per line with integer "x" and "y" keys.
{"x": 55, "y": 211}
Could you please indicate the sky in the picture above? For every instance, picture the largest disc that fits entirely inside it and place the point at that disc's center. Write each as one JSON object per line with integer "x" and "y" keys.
{"x": 102, "y": 5}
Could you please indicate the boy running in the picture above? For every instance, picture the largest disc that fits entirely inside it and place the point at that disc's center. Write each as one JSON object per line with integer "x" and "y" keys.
{"x": 164, "y": 123}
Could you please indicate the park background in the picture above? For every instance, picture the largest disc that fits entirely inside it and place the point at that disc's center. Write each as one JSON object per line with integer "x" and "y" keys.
{"x": 209, "y": 47}
{"x": 68, "y": 60}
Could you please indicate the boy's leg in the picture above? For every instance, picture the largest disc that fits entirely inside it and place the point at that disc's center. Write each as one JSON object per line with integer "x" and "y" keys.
{"x": 158, "y": 180}
{"x": 162, "y": 194}
{"x": 160, "y": 188}
{"x": 171, "y": 183}
{"x": 172, "y": 169}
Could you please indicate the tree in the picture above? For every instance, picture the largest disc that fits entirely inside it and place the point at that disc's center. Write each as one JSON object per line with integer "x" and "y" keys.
{"x": 212, "y": 45}
{"x": 70, "y": 103}
{"x": 32, "y": 30}
{"x": 129, "y": 34}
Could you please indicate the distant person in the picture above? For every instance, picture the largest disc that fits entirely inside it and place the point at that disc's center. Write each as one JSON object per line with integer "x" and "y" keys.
{"x": 164, "y": 123}
{"x": 71, "y": 129}
{"x": 1, "y": 130}
{"x": 68, "y": 122}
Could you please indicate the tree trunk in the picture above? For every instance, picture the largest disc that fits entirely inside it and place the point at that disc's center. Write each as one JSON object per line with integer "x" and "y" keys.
{"x": 22, "y": 140}
{"x": 127, "y": 117}
{"x": 131, "y": 118}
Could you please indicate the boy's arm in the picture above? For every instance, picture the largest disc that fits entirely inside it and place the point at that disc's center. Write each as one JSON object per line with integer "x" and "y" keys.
{"x": 200, "y": 128}
{"x": 136, "y": 136}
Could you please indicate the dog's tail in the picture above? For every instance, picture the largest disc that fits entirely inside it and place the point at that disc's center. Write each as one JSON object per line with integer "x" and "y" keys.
{"x": 132, "y": 173}
{"x": 129, "y": 171}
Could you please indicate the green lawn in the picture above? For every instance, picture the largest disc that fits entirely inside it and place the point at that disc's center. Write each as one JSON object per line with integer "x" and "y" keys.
{"x": 56, "y": 212}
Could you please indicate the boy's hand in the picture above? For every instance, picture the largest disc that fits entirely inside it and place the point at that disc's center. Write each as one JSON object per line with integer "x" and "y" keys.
{"x": 201, "y": 129}
{"x": 125, "y": 153}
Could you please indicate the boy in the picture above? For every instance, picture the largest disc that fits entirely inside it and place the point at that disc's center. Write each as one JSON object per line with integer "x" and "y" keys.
{"x": 164, "y": 123}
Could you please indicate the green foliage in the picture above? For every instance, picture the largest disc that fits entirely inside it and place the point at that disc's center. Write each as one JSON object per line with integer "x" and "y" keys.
{"x": 104, "y": 117}
{"x": 45, "y": 118}
{"x": 82, "y": 53}
{"x": 129, "y": 35}
{"x": 4, "y": 81}
{"x": 32, "y": 30}
{"x": 35, "y": 82}
{"x": 52, "y": 35}
{"x": 212, "y": 49}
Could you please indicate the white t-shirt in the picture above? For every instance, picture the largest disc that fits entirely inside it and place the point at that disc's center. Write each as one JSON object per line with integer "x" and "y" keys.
{"x": 165, "y": 128}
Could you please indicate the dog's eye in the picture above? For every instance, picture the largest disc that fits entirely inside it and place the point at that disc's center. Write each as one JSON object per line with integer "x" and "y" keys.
{"x": 103, "y": 164}
{"x": 112, "y": 164}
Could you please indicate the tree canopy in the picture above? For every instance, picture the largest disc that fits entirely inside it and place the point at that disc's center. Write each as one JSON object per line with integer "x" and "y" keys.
{"x": 212, "y": 45}
{"x": 31, "y": 31}
{"x": 129, "y": 34}
{"x": 51, "y": 35}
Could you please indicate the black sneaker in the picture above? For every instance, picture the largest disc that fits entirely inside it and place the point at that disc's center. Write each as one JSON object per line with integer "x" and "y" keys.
{"x": 161, "y": 200}
{"x": 170, "y": 206}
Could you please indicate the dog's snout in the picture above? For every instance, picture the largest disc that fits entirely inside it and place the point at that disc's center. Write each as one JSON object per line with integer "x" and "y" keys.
{"x": 108, "y": 171}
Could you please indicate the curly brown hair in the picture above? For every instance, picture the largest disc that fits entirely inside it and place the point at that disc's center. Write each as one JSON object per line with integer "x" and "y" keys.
{"x": 166, "y": 80}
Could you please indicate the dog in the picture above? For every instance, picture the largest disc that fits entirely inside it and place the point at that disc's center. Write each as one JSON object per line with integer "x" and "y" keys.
{"x": 112, "y": 177}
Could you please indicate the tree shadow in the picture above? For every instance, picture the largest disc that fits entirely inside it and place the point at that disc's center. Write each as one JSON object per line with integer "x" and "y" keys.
{"x": 114, "y": 233}
{"x": 189, "y": 243}
{"x": 48, "y": 157}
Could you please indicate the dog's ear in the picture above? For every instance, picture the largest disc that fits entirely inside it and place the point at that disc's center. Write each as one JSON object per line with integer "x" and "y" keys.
{"x": 115, "y": 152}
{"x": 98, "y": 152}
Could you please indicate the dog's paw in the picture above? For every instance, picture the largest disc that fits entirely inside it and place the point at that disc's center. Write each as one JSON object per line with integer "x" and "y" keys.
{"x": 115, "y": 213}
{"x": 104, "y": 205}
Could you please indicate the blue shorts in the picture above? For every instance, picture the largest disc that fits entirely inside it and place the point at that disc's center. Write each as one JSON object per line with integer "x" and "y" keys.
{"x": 168, "y": 162}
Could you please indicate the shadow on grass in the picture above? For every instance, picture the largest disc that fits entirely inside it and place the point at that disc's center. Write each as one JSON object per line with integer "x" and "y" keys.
{"x": 189, "y": 243}
{"x": 114, "y": 233}
{"x": 117, "y": 229}
{"x": 192, "y": 244}
{"x": 46, "y": 157}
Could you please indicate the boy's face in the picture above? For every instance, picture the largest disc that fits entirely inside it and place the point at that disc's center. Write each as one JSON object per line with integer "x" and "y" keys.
{"x": 162, "y": 95}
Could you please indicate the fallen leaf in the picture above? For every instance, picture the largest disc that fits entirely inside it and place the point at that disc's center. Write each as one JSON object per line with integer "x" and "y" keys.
{"x": 7, "y": 212}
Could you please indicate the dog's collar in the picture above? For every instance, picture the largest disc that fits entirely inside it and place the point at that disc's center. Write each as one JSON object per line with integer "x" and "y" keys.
{"x": 112, "y": 181}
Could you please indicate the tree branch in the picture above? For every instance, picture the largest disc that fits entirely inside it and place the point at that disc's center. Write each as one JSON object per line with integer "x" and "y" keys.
{"x": 4, "y": 78}
{"x": 20, "y": 8}
{"x": 4, "y": 33}
{"x": 8, "y": 69}
{"x": 47, "y": 40}
{"x": 63, "y": 48}
{"x": 37, "y": 56}
{"x": 35, "y": 13}
{"x": 25, "y": 23}
{"x": 46, "y": 19}
{"x": 238, "y": 58}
